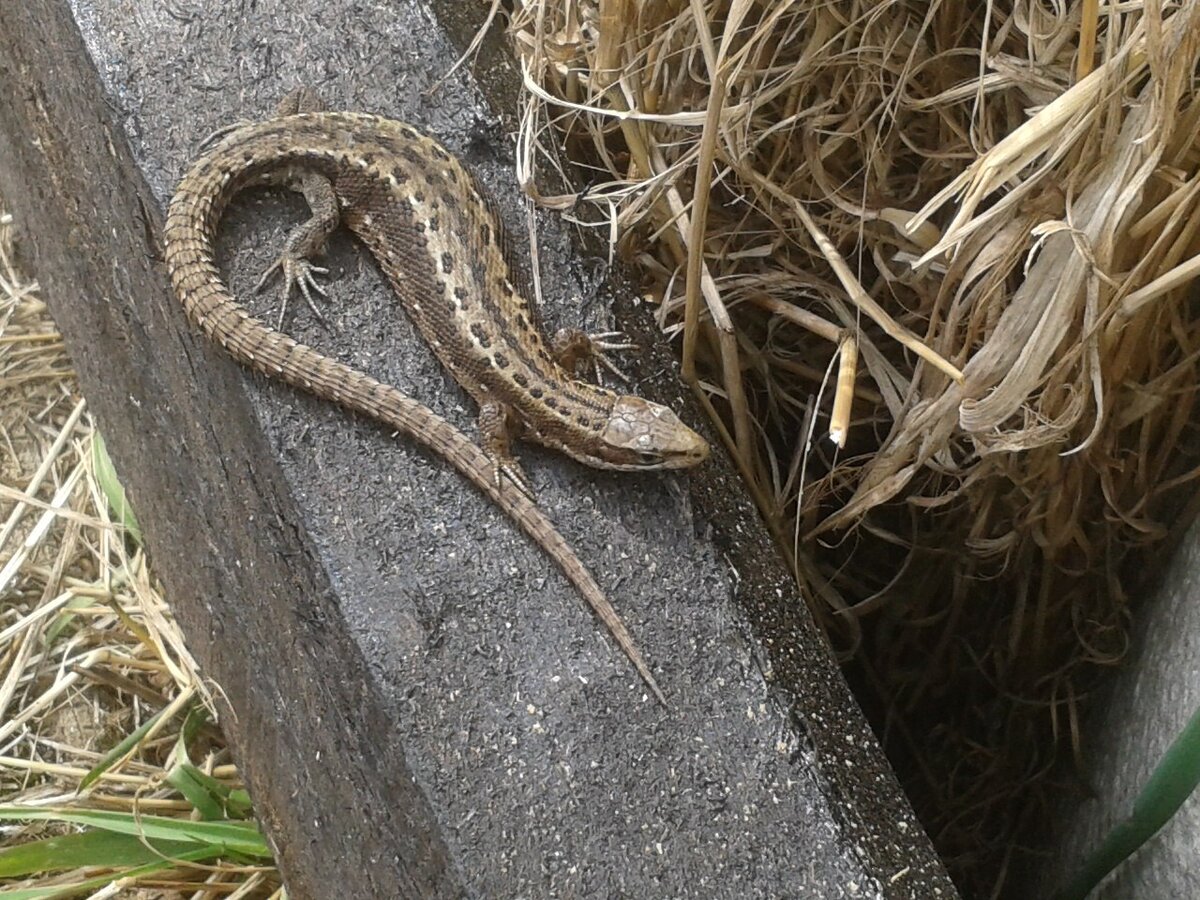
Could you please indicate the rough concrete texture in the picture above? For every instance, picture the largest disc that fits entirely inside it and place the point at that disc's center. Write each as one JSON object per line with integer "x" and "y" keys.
{"x": 1154, "y": 696}
{"x": 421, "y": 704}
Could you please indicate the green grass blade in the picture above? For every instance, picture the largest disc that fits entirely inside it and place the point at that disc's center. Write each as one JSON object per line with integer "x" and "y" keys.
{"x": 106, "y": 477}
{"x": 127, "y": 743}
{"x": 61, "y": 891}
{"x": 65, "y": 619}
{"x": 212, "y": 799}
{"x": 1171, "y": 783}
{"x": 105, "y": 849}
{"x": 234, "y": 837}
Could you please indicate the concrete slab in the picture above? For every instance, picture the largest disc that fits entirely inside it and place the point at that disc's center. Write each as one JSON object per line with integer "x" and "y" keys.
{"x": 420, "y": 703}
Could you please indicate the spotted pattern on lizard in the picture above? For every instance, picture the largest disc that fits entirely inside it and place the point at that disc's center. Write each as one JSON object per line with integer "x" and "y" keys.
{"x": 436, "y": 236}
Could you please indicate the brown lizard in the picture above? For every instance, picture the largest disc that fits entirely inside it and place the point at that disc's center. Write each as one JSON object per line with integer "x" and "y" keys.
{"x": 438, "y": 240}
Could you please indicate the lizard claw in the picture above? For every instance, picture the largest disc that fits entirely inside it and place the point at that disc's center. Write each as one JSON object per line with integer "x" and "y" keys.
{"x": 494, "y": 423}
{"x": 511, "y": 470}
{"x": 609, "y": 341}
{"x": 571, "y": 347}
{"x": 297, "y": 272}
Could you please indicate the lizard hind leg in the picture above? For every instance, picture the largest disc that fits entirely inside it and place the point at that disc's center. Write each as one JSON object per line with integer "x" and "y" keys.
{"x": 495, "y": 439}
{"x": 571, "y": 346}
{"x": 305, "y": 241}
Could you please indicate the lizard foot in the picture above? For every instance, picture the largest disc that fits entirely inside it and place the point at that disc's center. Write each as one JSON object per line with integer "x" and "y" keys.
{"x": 297, "y": 272}
{"x": 511, "y": 469}
{"x": 572, "y": 346}
{"x": 495, "y": 426}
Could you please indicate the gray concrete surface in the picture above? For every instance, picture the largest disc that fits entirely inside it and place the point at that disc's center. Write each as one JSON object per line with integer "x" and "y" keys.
{"x": 421, "y": 704}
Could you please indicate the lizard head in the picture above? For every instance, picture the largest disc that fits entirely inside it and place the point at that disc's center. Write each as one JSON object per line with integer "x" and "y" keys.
{"x": 640, "y": 434}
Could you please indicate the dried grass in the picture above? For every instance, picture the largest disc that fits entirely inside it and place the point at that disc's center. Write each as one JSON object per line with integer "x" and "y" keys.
{"x": 993, "y": 208}
{"x": 88, "y": 648}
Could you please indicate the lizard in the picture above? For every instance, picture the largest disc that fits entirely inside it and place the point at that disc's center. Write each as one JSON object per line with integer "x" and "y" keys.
{"x": 435, "y": 234}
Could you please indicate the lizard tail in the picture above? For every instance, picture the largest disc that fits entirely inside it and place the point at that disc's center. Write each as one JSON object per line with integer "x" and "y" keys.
{"x": 191, "y": 221}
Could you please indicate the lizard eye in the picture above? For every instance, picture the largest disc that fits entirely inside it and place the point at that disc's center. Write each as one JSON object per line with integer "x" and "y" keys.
{"x": 646, "y": 458}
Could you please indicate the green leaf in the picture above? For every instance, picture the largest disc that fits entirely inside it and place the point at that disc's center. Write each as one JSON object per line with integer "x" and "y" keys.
{"x": 60, "y": 891}
{"x": 90, "y": 848}
{"x": 196, "y": 719}
{"x": 106, "y": 477}
{"x": 65, "y": 618}
{"x": 118, "y": 752}
{"x": 213, "y": 799}
{"x": 1170, "y": 784}
{"x": 210, "y": 797}
{"x": 234, "y": 837}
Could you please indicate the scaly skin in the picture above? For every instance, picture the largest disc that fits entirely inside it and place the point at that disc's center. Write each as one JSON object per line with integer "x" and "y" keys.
{"x": 438, "y": 241}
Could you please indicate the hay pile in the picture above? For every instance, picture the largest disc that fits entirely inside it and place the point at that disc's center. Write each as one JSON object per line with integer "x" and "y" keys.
{"x": 95, "y": 679}
{"x": 958, "y": 238}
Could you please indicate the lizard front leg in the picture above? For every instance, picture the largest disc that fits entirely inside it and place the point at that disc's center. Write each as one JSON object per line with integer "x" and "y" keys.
{"x": 572, "y": 346}
{"x": 495, "y": 437}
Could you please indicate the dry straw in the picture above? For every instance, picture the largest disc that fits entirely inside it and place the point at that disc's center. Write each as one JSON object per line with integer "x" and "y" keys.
{"x": 88, "y": 649}
{"x": 991, "y": 209}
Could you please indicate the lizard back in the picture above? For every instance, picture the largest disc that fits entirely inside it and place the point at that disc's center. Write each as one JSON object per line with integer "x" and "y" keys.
{"x": 261, "y": 153}
{"x": 438, "y": 241}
